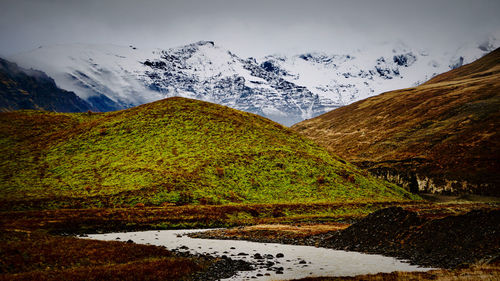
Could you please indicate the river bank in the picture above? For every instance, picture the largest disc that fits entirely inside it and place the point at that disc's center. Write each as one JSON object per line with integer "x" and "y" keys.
{"x": 35, "y": 244}
{"x": 447, "y": 242}
{"x": 270, "y": 261}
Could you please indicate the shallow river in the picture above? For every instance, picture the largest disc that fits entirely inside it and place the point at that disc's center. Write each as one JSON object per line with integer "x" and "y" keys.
{"x": 297, "y": 261}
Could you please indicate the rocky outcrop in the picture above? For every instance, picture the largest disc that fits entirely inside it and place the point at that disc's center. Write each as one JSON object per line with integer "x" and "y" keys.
{"x": 420, "y": 183}
{"x": 407, "y": 175}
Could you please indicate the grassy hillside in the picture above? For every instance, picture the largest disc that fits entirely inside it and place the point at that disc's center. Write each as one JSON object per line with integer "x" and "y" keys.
{"x": 171, "y": 151}
{"x": 440, "y": 136}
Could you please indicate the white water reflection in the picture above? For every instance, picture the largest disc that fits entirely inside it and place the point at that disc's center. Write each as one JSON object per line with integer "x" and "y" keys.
{"x": 297, "y": 261}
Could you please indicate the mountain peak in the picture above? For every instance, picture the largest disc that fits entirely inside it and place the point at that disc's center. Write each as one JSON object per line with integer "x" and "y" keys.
{"x": 204, "y": 43}
{"x": 490, "y": 44}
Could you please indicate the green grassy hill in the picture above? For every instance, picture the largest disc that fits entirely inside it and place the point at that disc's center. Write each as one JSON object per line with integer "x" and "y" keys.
{"x": 175, "y": 150}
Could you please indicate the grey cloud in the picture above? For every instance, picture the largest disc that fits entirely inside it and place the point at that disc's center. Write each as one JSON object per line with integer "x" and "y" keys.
{"x": 250, "y": 28}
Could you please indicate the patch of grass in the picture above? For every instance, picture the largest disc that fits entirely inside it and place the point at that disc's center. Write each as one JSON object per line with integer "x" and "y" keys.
{"x": 153, "y": 269}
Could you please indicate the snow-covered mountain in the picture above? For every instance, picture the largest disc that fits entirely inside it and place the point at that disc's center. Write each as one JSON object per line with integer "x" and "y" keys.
{"x": 208, "y": 72}
{"x": 344, "y": 79}
{"x": 287, "y": 89}
{"x": 107, "y": 76}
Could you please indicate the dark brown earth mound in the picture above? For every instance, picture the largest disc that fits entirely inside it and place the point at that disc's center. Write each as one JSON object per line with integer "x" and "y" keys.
{"x": 448, "y": 242}
{"x": 380, "y": 230}
{"x": 441, "y": 136}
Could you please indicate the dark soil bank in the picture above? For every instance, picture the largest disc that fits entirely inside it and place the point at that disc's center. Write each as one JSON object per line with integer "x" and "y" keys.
{"x": 448, "y": 242}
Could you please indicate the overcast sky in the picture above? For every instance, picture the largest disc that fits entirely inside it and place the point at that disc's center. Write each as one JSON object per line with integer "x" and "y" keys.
{"x": 249, "y": 28}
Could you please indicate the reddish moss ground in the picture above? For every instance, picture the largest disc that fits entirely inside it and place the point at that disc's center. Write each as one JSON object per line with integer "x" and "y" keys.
{"x": 142, "y": 218}
{"x": 27, "y": 255}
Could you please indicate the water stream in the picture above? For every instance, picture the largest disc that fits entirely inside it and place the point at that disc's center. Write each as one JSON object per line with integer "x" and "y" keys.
{"x": 273, "y": 261}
